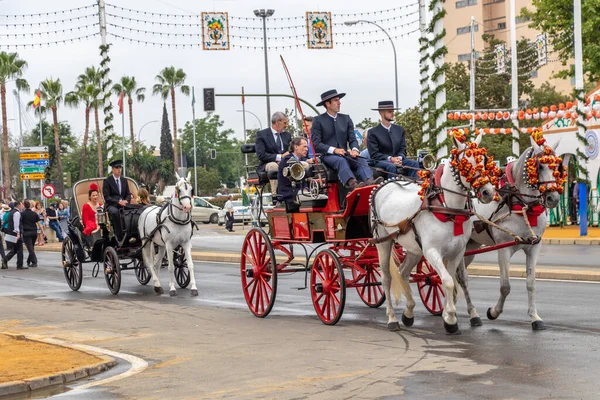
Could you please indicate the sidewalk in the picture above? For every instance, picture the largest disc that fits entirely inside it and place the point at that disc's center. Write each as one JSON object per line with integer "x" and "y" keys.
{"x": 570, "y": 235}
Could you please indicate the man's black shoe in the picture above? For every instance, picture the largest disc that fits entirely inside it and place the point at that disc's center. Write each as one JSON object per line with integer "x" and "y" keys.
{"x": 22, "y": 267}
{"x": 33, "y": 266}
{"x": 4, "y": 264}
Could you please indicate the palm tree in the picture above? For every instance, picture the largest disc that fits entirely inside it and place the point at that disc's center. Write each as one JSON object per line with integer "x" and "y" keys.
{"x": 129, "y": 88}
{"x": 83, "y": 94}
{"x": 11, "y": 67}
{"x": 169, "y": 79}
{"x": 91, "y": 76}
{"x": 51, "y": 93}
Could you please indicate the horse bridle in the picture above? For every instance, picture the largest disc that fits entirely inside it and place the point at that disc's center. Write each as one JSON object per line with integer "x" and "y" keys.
{"x": 180, "y": 208}
{"x": 457, "y": 177}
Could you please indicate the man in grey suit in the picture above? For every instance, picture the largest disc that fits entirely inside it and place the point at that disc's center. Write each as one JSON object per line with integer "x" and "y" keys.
{"x": 332, "y": 133}
{"x": 387, "y": 144}
{"x": 272, "y": 146}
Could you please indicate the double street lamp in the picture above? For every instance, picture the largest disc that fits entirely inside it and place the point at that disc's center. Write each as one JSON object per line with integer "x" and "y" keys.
{"x": 264, "y": 14}
{"x": 350, "y": 23}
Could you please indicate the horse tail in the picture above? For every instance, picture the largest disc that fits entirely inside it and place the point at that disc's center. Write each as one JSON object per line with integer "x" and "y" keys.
{"x": 397, "y": 283}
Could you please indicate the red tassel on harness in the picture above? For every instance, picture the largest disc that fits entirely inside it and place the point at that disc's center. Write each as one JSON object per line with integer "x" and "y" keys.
{"x": 457, "y": 219}
{"x": 532, "y": 213}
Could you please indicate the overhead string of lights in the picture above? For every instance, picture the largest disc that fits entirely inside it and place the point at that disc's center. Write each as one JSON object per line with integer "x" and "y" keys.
{"x": 54, "y": 42}
{"x": 33, "y": 34}
{"x": 58, "y": 21}
{"x": 47, "y": 14}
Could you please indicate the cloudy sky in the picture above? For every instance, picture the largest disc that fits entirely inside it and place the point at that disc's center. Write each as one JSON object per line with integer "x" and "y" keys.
{"x": 364, "y": 72}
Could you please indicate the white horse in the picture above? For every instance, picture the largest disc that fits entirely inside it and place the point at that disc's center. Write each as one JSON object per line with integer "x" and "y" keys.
{"x": 167, "y": 227}
{"x": 395, "y": 206}
{"x": 508, "y": 214}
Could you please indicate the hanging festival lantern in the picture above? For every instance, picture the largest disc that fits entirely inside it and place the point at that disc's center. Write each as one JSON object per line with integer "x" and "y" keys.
{"x": 506, "y": 115}
{"x": 491, "y": 116}
{"x": 521, "y": 115}
{"x": 508, "y": 131}
{"x": 450, "y": 116}
{"x": 477, "y": 116}
{"x": 552, "y": 112}
{"x": 484, "y": 116}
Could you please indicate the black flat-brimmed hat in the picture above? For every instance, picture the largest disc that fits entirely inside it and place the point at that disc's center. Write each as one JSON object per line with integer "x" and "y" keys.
{"x": 385, "y": 105}
{"x": 116, "y": 163}
{"x": 328, "y": 95}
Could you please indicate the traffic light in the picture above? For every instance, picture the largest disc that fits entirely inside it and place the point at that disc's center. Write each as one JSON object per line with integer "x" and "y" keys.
{"x": 209, "y": 99}
{"x": 47, "y": 176}
{"x": 67, "y": 179}
{"x": 213, "y": 154}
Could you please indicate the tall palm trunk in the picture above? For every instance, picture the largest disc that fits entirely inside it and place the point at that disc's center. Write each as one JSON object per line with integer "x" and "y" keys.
{"x": 100, "y": 166}
{"x": 61, "y": 183}
{"x": 130, "y": 101}
{"x": 85, "y": 141}
{"x": 5, "y": 141}
{"x": 175, "y": 153}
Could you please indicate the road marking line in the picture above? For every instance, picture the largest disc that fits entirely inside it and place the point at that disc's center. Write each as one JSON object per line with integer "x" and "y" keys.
{"x": 537, "y": 279}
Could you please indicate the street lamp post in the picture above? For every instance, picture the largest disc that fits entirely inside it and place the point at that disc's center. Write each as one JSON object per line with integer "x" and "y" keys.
{"x": 140, "y": 132}
{"x": 349, "y": 23}
{"x": 264, "y": 14}
{"x": 255, "y": 116}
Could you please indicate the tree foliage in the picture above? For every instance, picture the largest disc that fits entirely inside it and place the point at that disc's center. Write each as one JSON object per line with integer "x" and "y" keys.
{"x": 166, "y": 140}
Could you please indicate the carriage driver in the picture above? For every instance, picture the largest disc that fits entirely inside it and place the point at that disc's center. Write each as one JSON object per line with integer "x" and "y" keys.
{"x": 387, "y": 144}
{"x": 116, "y": 196}
{"x": 297, "y": 153}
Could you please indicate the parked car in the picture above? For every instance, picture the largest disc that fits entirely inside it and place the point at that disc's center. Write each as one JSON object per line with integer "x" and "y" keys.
{"x": 205, "y": 212}
{"x": 241, "y": 213}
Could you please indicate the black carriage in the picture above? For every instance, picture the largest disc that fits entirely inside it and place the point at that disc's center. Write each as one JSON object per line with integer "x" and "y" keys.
{"x": 103, "y": 248}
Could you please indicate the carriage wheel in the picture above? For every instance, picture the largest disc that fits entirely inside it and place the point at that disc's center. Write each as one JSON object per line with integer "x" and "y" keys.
{"x": 141, "y": 272}
{"x": 430, "y": 288}
{"x": 71, "y": 265}
{"x": 259, "y": 272}
{"x": 371, "y": 293}
{"x": 182, "y": 272}
{"x": 328, "y": 287}
{"x": 112, "y": 270}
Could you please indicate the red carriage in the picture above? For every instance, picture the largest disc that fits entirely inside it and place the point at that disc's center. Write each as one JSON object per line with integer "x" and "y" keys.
{"x": 337, "y": 224}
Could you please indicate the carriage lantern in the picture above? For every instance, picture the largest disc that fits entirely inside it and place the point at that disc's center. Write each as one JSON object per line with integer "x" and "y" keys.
{"x": 101, "y": 216}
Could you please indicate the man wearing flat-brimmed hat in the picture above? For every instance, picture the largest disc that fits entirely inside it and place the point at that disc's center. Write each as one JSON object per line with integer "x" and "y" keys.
{"x": 332, "y": 133}
{"x": 115, "y": 191}
{"x": 387, "y": 144}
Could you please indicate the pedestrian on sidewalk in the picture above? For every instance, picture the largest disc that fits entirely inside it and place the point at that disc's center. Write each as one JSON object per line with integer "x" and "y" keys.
{"x": 13, "y": 236}
{"x": 53, "y": 221}
{"x": 39, "y": 209}
{"x": 4, "y": 209}
{"x": 63, "y": 216}
{"x": 229, "y": 214}
{"x": 31, "y": 223}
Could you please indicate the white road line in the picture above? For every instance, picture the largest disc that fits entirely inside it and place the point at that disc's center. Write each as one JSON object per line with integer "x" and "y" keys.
{"x": 537, "y": 279}
{"x": 137, "y": 364}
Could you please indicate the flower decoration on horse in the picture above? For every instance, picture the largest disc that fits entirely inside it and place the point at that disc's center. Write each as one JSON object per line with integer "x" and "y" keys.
{"x": 551, "y": 161}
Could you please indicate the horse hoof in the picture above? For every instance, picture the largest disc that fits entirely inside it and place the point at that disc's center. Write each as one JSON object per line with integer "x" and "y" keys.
{"x": 393, "y": 326}
{"x": 489, "y": 314}
{"x": 408, "y": 321}
{"x": 159, "y": 290}
{"x": 194, "y": 292}
{"x": 172, "y": 293}
{"x": 476, "y": 321}
{"x": 451, "y": 329}
{"x": 538, "y": 325}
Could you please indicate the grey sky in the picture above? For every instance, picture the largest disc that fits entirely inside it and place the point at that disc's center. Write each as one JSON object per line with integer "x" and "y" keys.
{"x": 365, "y": 73}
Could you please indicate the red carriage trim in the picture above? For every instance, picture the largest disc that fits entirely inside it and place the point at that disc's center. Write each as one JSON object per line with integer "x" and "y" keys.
{"x": 532, "y": 213}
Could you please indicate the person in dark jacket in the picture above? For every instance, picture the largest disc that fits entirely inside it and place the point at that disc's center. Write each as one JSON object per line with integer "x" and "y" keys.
{"x": 31, "y": 223}
{"x": 332, "y": 133}
{"x": 387, "y": 144}
{"x": 271, "y": 146}
{"x": 115, "y": 191}
{"x": 297, "y": 153}
{"x": 13, "y": 237}
{"x": 52, "y": 215}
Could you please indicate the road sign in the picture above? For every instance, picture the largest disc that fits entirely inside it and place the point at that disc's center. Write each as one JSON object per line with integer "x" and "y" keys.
{"x": 34, "y": 156}
{"x": 34, "y": 163}
{"x": 48, "y": 191}
{"x": 31, "y": 177}
{"x": 34, "y": 149}
{"x": 34, "y": 170}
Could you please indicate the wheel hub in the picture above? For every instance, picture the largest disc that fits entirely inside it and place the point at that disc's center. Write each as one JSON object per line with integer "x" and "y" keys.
{"x": 250, "y": 273}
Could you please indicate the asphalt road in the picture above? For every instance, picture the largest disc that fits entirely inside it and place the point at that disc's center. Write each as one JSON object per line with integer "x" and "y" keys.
{"x": 212, "y": 347}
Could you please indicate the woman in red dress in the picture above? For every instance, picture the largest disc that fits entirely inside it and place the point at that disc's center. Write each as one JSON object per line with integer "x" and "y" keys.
{"x": 88, "y": 211}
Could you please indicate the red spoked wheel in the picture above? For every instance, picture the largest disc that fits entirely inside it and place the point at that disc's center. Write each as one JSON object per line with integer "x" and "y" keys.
{"x": 430, "y": 287}
{"x": 369, "y": 286}
{"x": 328, "y": 287}
{"x": 259, "y": 272}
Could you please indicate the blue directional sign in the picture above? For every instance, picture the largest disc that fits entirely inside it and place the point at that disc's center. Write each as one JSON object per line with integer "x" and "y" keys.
{"x": 34, "y": 163}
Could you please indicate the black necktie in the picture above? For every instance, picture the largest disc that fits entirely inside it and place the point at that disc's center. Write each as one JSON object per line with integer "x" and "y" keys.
{"x": 278, "y": 142}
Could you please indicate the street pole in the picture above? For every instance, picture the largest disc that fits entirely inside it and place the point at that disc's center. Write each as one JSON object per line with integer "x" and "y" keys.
{"x": 16, "y": 93}
{"x": 264, "y": 14}
{"x": 440, "y": 97}
{"x": 423, "y": 54}
{"x": 41, "y": 144}
{"x": 194, "y": 130}
{"x": 102, "y": 17}
{"x": 244, "y": 121}
{"x": 349, "y": 23}
{"x": 514, "y": 77}
{"x": 123, "y": 134}
{"x": 255, "y": 116}
{"x": 472, "y": 75}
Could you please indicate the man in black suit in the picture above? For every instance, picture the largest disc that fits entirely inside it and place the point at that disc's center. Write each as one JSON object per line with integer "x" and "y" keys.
{"x": 332, "y": 133}
{"x": 297, "y": 154}
{"x": 116, "y": 196}
{"x": 387, "y": 144}
{"x": 272, "y": 144}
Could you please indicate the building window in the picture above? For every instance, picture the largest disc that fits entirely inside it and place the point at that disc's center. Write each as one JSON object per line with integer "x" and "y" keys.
{"x": 465, "y": 3}
{"x": 501, "y": 25}
{"x": 521, "y": 20}
{"x": 466, "y": 29}
{"x": 533, "y": 74}
{"x": 467, "y": 56}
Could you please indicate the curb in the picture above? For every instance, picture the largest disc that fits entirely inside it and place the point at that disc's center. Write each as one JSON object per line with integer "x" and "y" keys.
{"x": 58, "y": 378}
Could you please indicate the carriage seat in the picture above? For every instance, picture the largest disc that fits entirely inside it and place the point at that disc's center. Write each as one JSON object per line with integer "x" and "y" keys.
{"x": 255, "y": 178}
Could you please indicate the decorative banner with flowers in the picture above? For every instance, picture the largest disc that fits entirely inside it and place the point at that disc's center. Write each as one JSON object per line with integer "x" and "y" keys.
{"x": 215, "y": 31}
{"x": 318, "y": 30}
